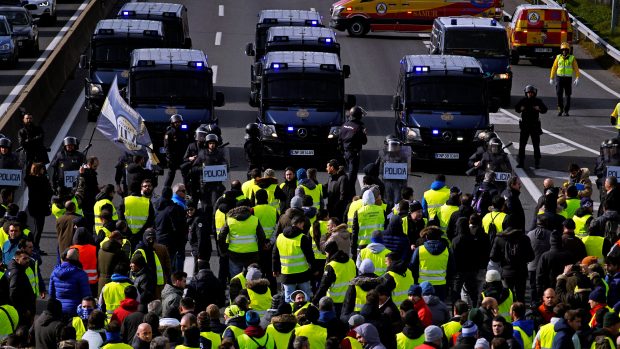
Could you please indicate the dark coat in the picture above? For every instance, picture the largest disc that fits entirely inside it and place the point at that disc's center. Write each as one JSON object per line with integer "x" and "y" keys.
{"x": 462, "y": 212}
{"x": 109, "y": 256}
{"x": 395, "y": 239}
{"x": 69, "y": 284}
{"x": 516, "y": 266}
{"x": 170, "y": 223}
{"x": 206, "y": 289}
{"x": 470, "y": 248}
{"x": 20, "y": 291}
{"x": 47, "y": 330}
{"x": 39, "y": 195}
{"x": 31, "y": 139}
{"x": 551, "y": 264}
{"x": 516, "y": 214}
{"x": 199, "y": 235}
{"x": 88, "y": 188}
{"x": 540, "y": 238}
{"x": 337, "y": 194}
{"x": 564, "y": 336}
{"x": 144, "y": 282}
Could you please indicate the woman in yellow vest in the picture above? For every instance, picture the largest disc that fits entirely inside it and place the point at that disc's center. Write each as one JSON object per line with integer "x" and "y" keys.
{"x": 282, "y": 325}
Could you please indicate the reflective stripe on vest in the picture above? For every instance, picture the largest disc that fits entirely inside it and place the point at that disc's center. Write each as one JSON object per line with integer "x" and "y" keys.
{"x": 546, "y": 333}
{"x": 158, "y": 269}
{"x": 220, "y": 221}
{"x": 594, "y": 246}
{"x": 292, "y": 258}
{"x": 433, "y": 268}
{"x": 280, "y": 338}
{"x": 497, "y": 218}
{"x": 527, "y": 340}
{"x": 404, "y": 342}
{"x": 260, "y": 302}
{"x": 565, "y": 65}
{"x": 215, "y": 339}
{"x": 369, "y": 219}
{"x": 444, "y": 214}
{"x": 581, "y": 230}
{"x": 242, "y": 235}
{"x": 399, "y": 293}
{"x": 78, "y": 325}
{"x": 434, "y": 199}
{"x": 353, "y": 207}
{"x": 315, "y": 194}
{"x": 113, "y": 293}
{"x": 377, "y": 259}
{"x": 33, "y": 277}
{"x": 88, "y": 258}
{"x": 267, "y": 216}
{"x": 317, "y": 335}
{"x": 318, "y": 254}
{"x": 247, "y": 342}
{"x": 345, "y": 272}
{"x": 97, "y": 209}
{"x": 136, "y": 212}
{"x": 360, "y": 298}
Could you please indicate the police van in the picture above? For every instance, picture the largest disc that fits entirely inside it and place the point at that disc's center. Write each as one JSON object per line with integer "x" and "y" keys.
{"x": 110, "y": 47}
{"x": 315, "y": 39}
{"x": 482, "y": 38}
{"x": 173, "y": 17}
{"x": 302, "y": 103}
{"x": 163, "y": 82}
{"x": 441, "y": 105}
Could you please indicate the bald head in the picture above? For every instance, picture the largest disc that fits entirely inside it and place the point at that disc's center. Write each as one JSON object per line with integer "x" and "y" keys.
{"x": 548, "y": 183}
{"x": 73, "y": 254}
{"x": 549, "y": 298}
{"x": 187, "y": 321}
{"x": 489, "y": 303}
{"x": 145, "y": 332}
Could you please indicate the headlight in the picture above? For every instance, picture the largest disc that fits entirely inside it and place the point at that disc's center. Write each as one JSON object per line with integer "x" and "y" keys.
{"x": 268, "y": 131}
{"x": 337, "y": 11}
{"x": 95, "y": 89}
{"x": 412, "y": 134}
{"x": 5, "y": 47}
{"x": 44, "y": 3}
{"x": 333, "y": 132}
{"x": 503, "y": 76}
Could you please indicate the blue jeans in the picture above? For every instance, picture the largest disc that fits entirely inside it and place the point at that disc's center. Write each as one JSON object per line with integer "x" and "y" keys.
{"x": 290, "y": 288}
{"x": 234, "y": 267}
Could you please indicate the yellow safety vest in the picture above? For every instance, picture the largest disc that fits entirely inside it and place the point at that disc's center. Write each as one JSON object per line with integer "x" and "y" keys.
{"x": 136, "y": 212}
{"x": 360, "y": 298}
{"x": 271, "y": 190}
{"x": 158, "y": 269}
{"x": 220, "y": 221}
{"x": 354, "y": 343}
{"x": 241, "y": 279}
{"x": 611, "y": 343}
{"x": 581, "y": 230}
{"x": 433, "y": 268}
{"x": 33, "y": 278}
{"x": 353, "y": 207}
{"x": 281, "y": 339}
{"x": 546, "y": 333}
{"x": 444, "y": 214}
{"x": 9, "y": 318}
{"x": 237, "y": 331}
{"x": 450, "y": 328}
{"x": 377, "y": 259}
{"x": 57, "y": 212}
{"x": 78, "y": 324}
{"x": 399, "y": 293}
{"x": 404, "y": 342}
{"x": 97, "y": 208}
{"x": 369, "y": 219}
{"x": 565, "y": 66}
{"x": 345, "y": 272}
{"x": 184, "y": 347}
{"x": 503, "y": 308}
{"x": 571, "y": 206}
{"x": 315, "y": 193}
{"x": 267, "y": 216}
{"x": 122, "y": 346}
{"x": 318, "y": 254}
{"x": 124, "y": 243}
{"x": 591, "y": 323}
{"x": 260, "y": 302}
{"x": 215, "y": 339}
{"x": 497, "y": 218}
{"x": 615, "y": 114}
{"x": 594, "y": 246}
{"x": 247, "y": 186}
{"x": 434, "y": 199}
{"x": 317, "y": 335}
{"x": 265, "y": 341}
{"x": 242, "y": 235}
{"x": 113, "y": 293}
{"x": 292, "y": 258}
{"x": 527, "y": 340}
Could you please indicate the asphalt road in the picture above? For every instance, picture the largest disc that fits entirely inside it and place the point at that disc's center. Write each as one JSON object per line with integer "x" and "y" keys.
{"x": 374, "y": 69}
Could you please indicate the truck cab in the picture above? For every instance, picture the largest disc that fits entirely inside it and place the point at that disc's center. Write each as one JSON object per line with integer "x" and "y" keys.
{"x": 441, "y": 105}
{"x": 172, "y": 16}
{"x": 110, "y": 48}
{"x": 164, "y": 81}
{"x": 302, "y": 103}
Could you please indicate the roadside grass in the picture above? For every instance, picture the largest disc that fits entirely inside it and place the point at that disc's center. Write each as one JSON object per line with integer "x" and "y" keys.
{"x": 597, "y": 17}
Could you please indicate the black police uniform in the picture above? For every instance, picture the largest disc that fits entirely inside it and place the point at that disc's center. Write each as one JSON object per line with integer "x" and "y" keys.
{"x": 175, "y": 143}
{"x": 30, "y": 139}
{"x": 496, "y": 163}
{"x": 192, "y": 185}
{"x": 530, "y": 126}
{"x": 351, "y": 139}
{"x": 120, "y": 173}
{"x": 253, "y": 148}
{"x": 210, "y": 191}
{"x": 65, "y": 161}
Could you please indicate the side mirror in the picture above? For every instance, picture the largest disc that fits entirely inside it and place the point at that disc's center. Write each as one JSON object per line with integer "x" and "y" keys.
{"x": 346, "y": 71}
{"x": 258, "y": 69}
{"x": 219, "y": 99}
{"x": 349, "y": 101}
{"x": 494, "y": 105}
{"x": 506, "y": 18}
{"x": 188, "y": 43}
{"x": 396, "y": 105}
{"x": 249, "y": 49}
{"x": 83, "y": 62}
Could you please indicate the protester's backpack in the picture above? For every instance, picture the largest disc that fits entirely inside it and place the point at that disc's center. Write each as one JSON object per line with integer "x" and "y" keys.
{"x": 612, "y": 230}
{"x": 601, "y": 342}
{"x": 492, "y": 228}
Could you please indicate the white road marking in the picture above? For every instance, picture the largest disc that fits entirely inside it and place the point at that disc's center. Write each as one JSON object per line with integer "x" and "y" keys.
{"x": 551, "y": 149}
{"x": 603, "y": 128}
{"x": 600, "y": 84}
{"x": 501, "y": 119}
{"x": 220, "y": 10}
{"x": 214, "y": 69}
{"x": 529, "y": 185}
{"x": 218, "y": 38}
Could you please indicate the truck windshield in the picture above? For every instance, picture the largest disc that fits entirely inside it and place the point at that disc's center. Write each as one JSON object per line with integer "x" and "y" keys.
{"x": 477, "y": 43}
{"x": 319, "y": 89}
{"x": 115, "y": 53}
{"x": 446, "y": 93}
{"x": 172, "y": 87}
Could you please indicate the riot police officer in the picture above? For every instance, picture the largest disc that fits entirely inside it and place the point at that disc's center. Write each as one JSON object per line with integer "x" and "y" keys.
{"x": 253, "y": 147}
{"x": 191, "y": 153}
{"x": 213, "y": 129}
{"x": 211, "y": 155}
{"x": 175, "y": 143}
{"x": 530, "y": 108}
{"x": 8, "y": 159}
{"x": 350, "y": 140}
{"x": 496, "y": 160}
{"x": 394, "y": 168}
{"x": 485, "y": 137}
{"x": 69, "y": 158}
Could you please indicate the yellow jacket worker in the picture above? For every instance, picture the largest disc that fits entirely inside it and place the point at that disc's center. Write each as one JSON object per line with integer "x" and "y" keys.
{"x": 564, "y": 66}
{"x": 614, "y": 117}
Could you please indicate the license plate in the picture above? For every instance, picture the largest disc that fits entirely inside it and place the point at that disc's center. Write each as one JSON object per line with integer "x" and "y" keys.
{"x": 302, "y": 152}
{"x": 447, "y": 156}
{"x": 542, "y": 49}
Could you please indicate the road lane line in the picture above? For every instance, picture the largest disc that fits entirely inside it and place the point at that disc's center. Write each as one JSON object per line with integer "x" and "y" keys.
{"x": 528, "y": 183}
{"x": 600, "y": 84}
{"x": 218, "y": 38}
{"x": 214, "y": 69}
{"x": 220, "y": 11}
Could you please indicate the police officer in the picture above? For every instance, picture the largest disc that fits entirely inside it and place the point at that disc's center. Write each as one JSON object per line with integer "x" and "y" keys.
{"x": 253, "y": 147}
{"x": 393, "y": 152}
{"x": 496, "y": 160}
{"x": 210, "y": 156}
{"x": 564, "y": 66}
{"x": 530, "y": 108}
{"x": 191, "y": 153}
{"x": 68, "y": 159}
{"x": 175, "y": 143}
{"x": 350, "y": 140}
{"x": 30, "y": 139}
{"x": 485, "y": 137}
{"x": 213, "y": 129}
{"x": 8, "y": 159}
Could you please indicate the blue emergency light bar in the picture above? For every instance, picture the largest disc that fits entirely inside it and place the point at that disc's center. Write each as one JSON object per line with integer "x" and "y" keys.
{"x": 312, "y": 22}
{"x": 435, "y": 132}
{"x": 279, "y": 65}
{"x": 184, "y": 126}
{"x": 326, "y": 40}
{"x": 290, "y": 129}
{"x": 196, "y": 64}
{"x": 421, "y": 69}
{"x": 129, "y": 13}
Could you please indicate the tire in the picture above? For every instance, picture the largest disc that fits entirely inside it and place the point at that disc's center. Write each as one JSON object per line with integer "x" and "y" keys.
{"x": 358, "y": 27}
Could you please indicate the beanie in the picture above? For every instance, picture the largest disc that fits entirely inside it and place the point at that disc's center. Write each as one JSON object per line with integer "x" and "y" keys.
{"x": 301, "y": 173}
{"x": 415, "y": 206}
{"x": 481, "y": 343}
{"x": 253, "y": 274}
{"x": 415, "y": 290}
{"x": 469, "y": 329}
{"x": 598, "y": 295}
{"x": 356, "y": 320}
{"x": 296, "y": 202}
{"x": 331, "y": 247}
{"x": 377, "y": 237}
{"x": 493, "y": 276}
{"x": 252, "y": 318}
{"x": 367, "y": 267}
{"x": 427, "y": 288}
{"x": 432, "y": 333}
{"x": 284, "y": 308}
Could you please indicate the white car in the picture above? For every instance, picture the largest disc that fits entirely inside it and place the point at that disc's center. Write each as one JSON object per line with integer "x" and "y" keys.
{"x": 44, "y": 9}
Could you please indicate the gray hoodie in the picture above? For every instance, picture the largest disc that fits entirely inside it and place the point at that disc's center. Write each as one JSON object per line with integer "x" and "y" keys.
{"x": 371, "y": 336}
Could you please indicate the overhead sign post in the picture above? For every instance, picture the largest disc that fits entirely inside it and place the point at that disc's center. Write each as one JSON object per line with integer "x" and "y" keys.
{"x": 214, "y": 173}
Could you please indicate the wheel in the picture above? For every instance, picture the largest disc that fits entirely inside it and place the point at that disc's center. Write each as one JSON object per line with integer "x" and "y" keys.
{"x": 358, "y": 28}
{"x": 514, "y": 57}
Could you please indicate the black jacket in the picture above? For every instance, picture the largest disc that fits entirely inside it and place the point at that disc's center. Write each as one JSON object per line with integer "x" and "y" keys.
{"x": 135, "y": 174}
{"x": 31, "y": 139}
{"x": 574, "y": 246}
{"x": 540, "y": 238}
{"x": 530, "y": 116}
{"x": 337, "y": 195}
{"x": 463, "y": 211}
{"x": 145, "y": 283}
{"x": 65, "y": 161}
{"x": 517, "y": 266}
{"x": 206, "y": 289}
{"x": 352, "y": 136}
{"x": 175, "y": 143}
{"x": 366, "y": 282}
{"x": 20, "y": 291}
{"x": 306, "y": 247}
{"x": 170, "y": 223}
{"x": 47, "y": 330}
{"x": 470, "y": 248}
{"x": 516, "y": 214}
{"x": 39, "y": 195}
{"x": 551, "y": 264}
{"x": 199, "y": 235}
{"x": 288, "y": 188}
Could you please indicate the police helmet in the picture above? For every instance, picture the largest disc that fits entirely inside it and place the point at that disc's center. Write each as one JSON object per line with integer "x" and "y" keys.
{"x": 70, "y": 141}
{"x": 176, "y": 118}
{"x": 212, "y": 138}
{"x": 530, "y": 88}
{"x": 389, "y": 138}
{"x": 611, "y": 149}
{"x": 252, "y": 129}
{"x": 214, "y": 129}
{"x": 201, "y": 133}
{"x": 356, "y": 112}
{"x": 5, "y": 142}
{"x": 489, "y": 136}
{"x": 495, "y": 146}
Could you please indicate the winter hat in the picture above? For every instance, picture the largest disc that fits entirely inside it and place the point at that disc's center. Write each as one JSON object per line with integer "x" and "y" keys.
{"x": 253, "y": 274}
{"x": 610, "y": 319}
{"x": 138, "y": 260}
{"x": 233, "y": 311}
{"x": 415, "y": 206}
{"x": 598, "y": 295}
{"x": 312, "y": 313}
{"x": 589, "y": 260}
{"x": 331, "y": 247}
{"x": 432, "y": 333}
{"x": 411, "y": 318}
{"x": 301, "y": 173}
{"x": 586, "y": 202}
{"x": 469, "y": 329}
{"x": 297, "y": 202}
{"x": 356, "y": 320}
{"x": 295, "y": 294}
{"x": 427, "y": 288}
{"x": 415, "y": 290}
{"x": 252, "y": 318}
{"x": 482, "y": 343}
{"x": 169, "y": 322}
{"x": 492, "y": 276}
{"x": 54, "y": 307}
{"x": 367, "y": 267}
{"x": 377, "y": 237}
{"x": 476, "y": 316}
{"x": 455, "y": 189}
{"x": 284, "y": 308}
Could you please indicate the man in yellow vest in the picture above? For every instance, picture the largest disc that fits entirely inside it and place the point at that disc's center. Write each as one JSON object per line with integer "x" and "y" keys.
{"x": 572, "y": 202}
{"x": 368, "y": 218}
{"x": 247, "y": 186}
{"x": 268, "y": 218}
{"x": 339, "y": 271}
{"x": 606, "y": 337}
{"x": 80, "y": 321}
{"x": 376, "y": 252}
{"x": 436, "y": 196}
{"x": 234, "y": 318}
{"x": 546, "y": 333}
{"x": 398, "y": 277}
{"x": 293, "y": 258}
{"x": 9, "y": 318}
{"x": 104, "y": 199}
{"x": 316, "y": 334}
{"x": 114, "y": 291}
{"x": 258, "y": 292}
{"x": 23, "y": 291}
{"x": 523, "y": 329}
{"x": 583, "y": 218}
{"x": 137, "y": 210}
{"x": 564, "y": 66}
{"x": 254, "y": 336}
{"x": 496, "y": 216}
{"x": 269, "y": 183}
{"x": 312, "y": 187}
{"x": 433, "y": 262}
{"x": 412, "y": 334}
{"x": 614, "y": 117}
{"x": 282, "y": 325}
{"x": 355, "y": 298}
{"x": 446, "y": 210}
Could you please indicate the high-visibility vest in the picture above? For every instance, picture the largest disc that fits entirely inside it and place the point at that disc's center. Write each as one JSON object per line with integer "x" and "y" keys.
{"x": 581, "y": 230}
{"x": 292, "y": 258}
{"x": 247, "y": 186}
{"x": 33, "y": 277}
{"x": 220, "y": 221}
{"x": 444, "y": 214}
{"x": 565, "y": 65}
{"x": 124, "y": 243}
{"x": 121, "y": 346}
{"x": 503, "y": 308}
{"x": 296, "y": 312}
{"x": 317, "y": 335}
{"x": 377, "y": 259}
{"x": 185, "y": 347}
{"x": 433, "y": 268}
{"x": 215, "y": 339}
{"x": 450, "y": 328}
{"x": 260, "y": 302}
{"x": 237, "y": 331}
{"x": 267, "y": 216}
{"x": 369, "y": 219}
{"x": 404, "y": 342}
{"x": 592, "y": 322}
{"x": 246, "y": 342}
{"x": 594, "y": 246}
{"x": 399, "y": 293}
{"x": 527, "y": 340}
{"x": 97, "y": 208}
{"x": 281, "y": 339}
{"x": 497, "y": 218}
{"x": 546, "y": 333}
{"x": 609, "y": 341}
{"x": 434, "y": 199}
{"x": 9, "y": 318}
{"x": 271, "y": 190}
{"x": 353, "y": 207}
{"x": 113, "y": 293}
{"x": 88, "y": 258}
{"x": 78, "y": 325}
{"x": 59, "y": 211}
{"x": 315, "y": 193}
{"x": 242, "y": 281}
{"x": 345, "y": 272}
{"x": 571, "y": 206}
{"x": 159, "y": 271}
{"x": 360, "y": 298}
{"x": 136, "y": 212}
{"x": 354, "y": 343}
{"x": 242, "y": 235}
{"x": 318, "y": 254}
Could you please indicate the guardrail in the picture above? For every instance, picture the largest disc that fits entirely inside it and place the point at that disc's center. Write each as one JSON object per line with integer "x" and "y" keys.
{"x": 591, "y": 35}
{"x": 43, "y": 89}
